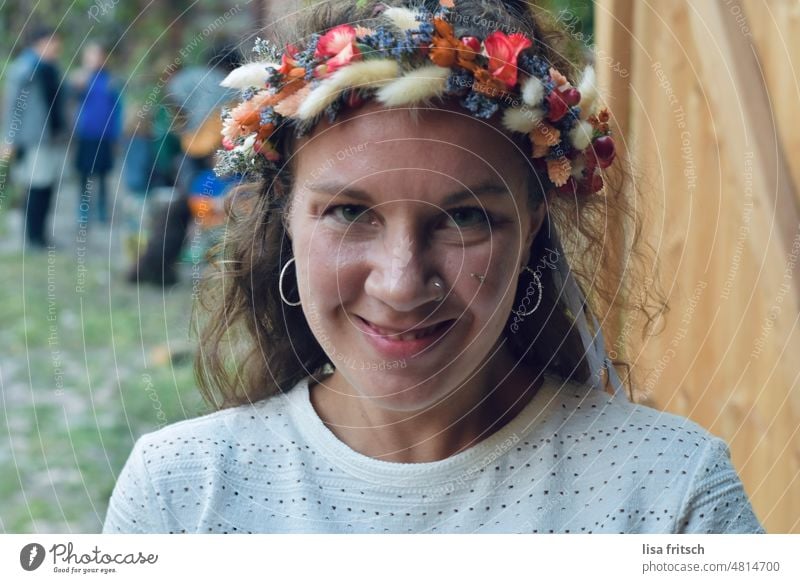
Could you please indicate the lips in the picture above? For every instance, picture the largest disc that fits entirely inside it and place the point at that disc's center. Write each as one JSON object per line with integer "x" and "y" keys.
{"x": 408, "y": 342}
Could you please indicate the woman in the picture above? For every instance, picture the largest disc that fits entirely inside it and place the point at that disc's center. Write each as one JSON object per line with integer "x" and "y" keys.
{"x": 413, "y": 350}
{"x": 34, "y": 128}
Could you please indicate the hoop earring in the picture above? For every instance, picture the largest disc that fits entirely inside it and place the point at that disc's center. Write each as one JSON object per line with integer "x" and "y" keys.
{"x": 538, "y": 281}
{"x": 280, "y": 285}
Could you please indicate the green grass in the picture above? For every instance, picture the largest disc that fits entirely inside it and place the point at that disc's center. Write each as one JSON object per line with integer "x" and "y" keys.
{"x": 82, "y": 375}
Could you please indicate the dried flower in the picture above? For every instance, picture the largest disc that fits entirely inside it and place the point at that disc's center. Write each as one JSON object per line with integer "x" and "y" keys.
{"x": 503, "y": 51}
{"x": 338, "y": 46}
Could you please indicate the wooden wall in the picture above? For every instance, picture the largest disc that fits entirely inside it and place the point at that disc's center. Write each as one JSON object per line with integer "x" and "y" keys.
{"x": 707, "y": 94}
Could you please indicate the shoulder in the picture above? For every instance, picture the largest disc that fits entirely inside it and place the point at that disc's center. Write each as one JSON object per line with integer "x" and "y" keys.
{"x": 636, "y": 433}
{"x": 21, "y": 68}
{"x": 177, "y": 471}
{"x": 587, "y": 408}
{"x": 215, "y": 436}
{"x": 664, "y": 458}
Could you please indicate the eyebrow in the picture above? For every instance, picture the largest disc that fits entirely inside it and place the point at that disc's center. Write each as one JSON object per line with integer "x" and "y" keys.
{"x": 333, "y": 189}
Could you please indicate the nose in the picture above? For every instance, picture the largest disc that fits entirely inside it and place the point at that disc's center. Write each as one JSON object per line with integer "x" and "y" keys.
{"x": 402, "y": 273}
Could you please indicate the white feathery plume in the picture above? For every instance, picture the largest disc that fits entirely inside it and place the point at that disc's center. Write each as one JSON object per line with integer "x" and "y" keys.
{"x": 402, "y": 18}
{"x": 249, "y": 75}
{"x": 522, "y": 119}
{"x": 581, "y": 135}
{"x": 418, "y": 85}
{"x": 363, "y": 74}
{"x": 588, "y": 89}
{"x": 532, "y": 91}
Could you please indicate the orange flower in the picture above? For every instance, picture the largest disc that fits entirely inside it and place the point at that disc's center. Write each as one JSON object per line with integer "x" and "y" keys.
{"x": 557, "y": 77}
{"x": 503, "y": 51}
{"x": 558, "y": 170}
{"x": 289, "y": 106}
{"x": 444, "y": 47}
{"x": 244, "y": 118}
{"x": 338, "y": 45}
{"x": 293, "y": 86}
{"x": 289, "y": 60}
{"x": 600, "y": 122}
{"x": 545, "y": 135}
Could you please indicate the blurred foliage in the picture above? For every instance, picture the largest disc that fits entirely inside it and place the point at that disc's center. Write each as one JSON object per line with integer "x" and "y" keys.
{"x": 577, "y": 16}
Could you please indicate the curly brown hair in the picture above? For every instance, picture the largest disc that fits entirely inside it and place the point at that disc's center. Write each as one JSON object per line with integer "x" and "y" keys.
{"x": 252, "y": 345}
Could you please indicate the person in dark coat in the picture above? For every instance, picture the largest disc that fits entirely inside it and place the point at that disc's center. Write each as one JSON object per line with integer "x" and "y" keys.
{"x": 97, "y": 129}
{"x": 33, "y": 125}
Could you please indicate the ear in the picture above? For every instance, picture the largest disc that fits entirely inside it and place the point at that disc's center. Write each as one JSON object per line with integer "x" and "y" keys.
{"x": 535, "y": 221}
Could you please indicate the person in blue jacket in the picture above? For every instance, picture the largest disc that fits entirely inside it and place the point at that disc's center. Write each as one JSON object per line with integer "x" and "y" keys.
{"x": 97, "y": 129}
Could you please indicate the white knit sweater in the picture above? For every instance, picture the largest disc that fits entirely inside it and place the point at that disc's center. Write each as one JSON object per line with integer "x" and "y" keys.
{"x": 574, "y": 460}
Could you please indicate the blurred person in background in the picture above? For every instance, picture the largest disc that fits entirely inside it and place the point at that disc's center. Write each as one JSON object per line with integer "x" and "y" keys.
{"x": 197, "y": 99}
{"x": 97, "y": 130}
{"x": 33, "y": 126}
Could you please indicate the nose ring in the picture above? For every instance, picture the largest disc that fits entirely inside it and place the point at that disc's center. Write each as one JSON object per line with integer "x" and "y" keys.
{"x": 438, "y": 285}
{"x": 478, "y": 276}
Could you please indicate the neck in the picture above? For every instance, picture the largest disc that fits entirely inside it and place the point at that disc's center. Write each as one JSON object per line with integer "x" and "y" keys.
{"x": 469, "y": 414}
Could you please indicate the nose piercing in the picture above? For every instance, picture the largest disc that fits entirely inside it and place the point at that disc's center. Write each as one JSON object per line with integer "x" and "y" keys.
{"x": 478, "y": 276}
{"x": 438, "y": 285}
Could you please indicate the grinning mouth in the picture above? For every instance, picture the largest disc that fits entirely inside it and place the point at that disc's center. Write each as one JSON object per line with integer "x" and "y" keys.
{"x": 412, "y": 335}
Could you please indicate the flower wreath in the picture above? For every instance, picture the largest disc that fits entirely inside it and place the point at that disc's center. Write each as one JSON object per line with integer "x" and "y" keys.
{"x": 411, "y": 59}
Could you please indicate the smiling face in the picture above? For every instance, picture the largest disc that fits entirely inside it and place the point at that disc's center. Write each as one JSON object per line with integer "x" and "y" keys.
{"x": 383, "y": 206}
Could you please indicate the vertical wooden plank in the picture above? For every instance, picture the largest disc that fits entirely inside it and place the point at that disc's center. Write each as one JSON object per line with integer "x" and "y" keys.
{"x": 723, "y": 358}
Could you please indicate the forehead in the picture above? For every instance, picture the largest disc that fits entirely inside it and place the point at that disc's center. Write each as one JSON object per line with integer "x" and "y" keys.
{"x": 424, "y": 150}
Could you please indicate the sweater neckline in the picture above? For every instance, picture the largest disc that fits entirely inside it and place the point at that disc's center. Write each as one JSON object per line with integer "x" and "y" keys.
{"x": 461, "y": 466}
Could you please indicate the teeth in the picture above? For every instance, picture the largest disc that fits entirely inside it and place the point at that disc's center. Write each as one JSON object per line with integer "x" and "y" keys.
{"x": 415, "y": 335}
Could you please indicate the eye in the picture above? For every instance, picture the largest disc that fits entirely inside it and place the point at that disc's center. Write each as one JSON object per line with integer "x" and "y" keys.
{"x": 467, "y": 217}
{"x": 347, "y": 213}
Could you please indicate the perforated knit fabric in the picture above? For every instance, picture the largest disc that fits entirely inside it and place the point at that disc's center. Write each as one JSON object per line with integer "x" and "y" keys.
{"x": 575, "y": 460}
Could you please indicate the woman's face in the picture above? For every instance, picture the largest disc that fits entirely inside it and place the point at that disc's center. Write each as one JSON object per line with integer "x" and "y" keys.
{"x": 382, "y": 207}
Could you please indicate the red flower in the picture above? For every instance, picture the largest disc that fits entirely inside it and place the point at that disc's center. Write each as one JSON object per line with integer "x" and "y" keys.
{"x": 338, "y": 46}
{"x": 289, "y": 60}
{"x": 557, "y": 108}
{"x": 503, "y": 51}
{"x": 472, "y": 43}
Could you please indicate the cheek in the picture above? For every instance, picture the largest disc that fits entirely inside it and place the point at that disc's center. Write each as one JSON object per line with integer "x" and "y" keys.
{"x": 332, "y": 273}
{"x": 486, "y": 304}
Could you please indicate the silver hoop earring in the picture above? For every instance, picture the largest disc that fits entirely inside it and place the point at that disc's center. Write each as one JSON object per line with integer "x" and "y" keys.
{"x": 280, "y": 285}
{"x": 438, "y": 285}
{"x": 538, "y": 281}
